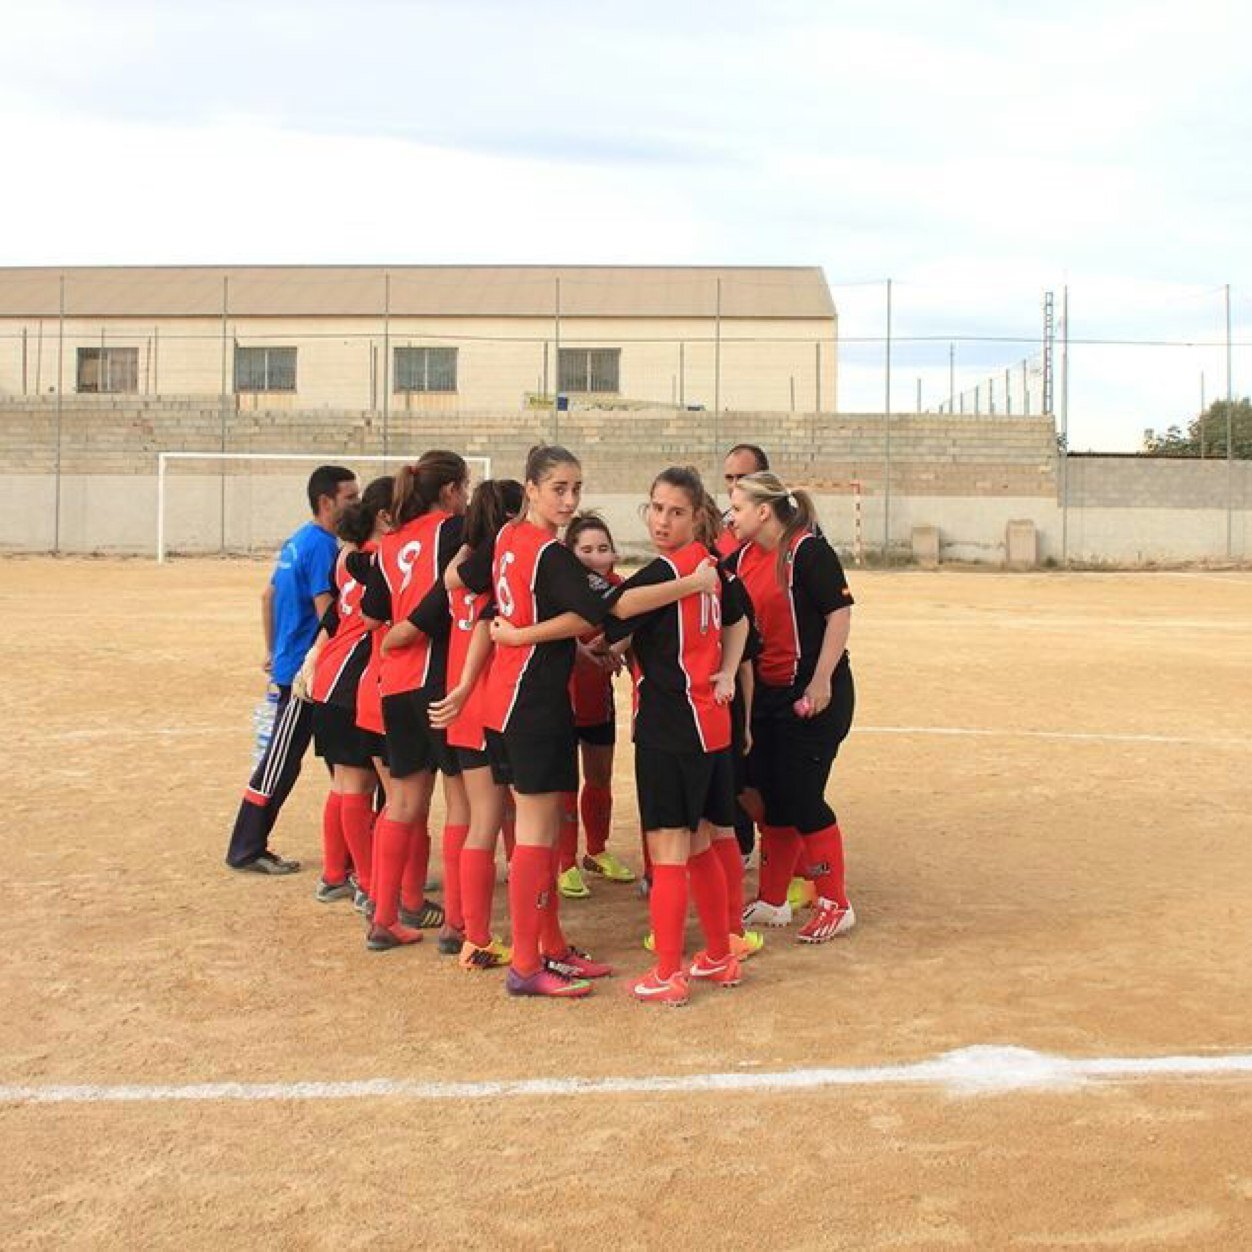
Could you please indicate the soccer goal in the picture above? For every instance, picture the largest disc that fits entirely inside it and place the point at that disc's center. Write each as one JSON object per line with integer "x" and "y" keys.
{"x": 220, "y": 502}
{"x": 845, "y": 530}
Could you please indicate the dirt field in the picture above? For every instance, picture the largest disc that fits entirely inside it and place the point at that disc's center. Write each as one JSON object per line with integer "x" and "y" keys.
{"x": 1074, "y": 878}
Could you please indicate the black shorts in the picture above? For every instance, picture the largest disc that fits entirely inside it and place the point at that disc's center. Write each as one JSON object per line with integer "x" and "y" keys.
{"x": 376, "y": 743}
{"x": 413, "y": 745}
{"x": 603, "y": 735}
{"x": 534, "y": 765}
{"x": 337, "y": 739}
{"x": 471, "y": 758}
{"x": 677, "y": 790}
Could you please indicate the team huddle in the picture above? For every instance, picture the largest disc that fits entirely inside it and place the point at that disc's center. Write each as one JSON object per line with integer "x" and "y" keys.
{"x": 476, "y": 637}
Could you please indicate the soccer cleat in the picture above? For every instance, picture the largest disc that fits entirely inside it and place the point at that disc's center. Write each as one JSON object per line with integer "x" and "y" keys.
{"x": 725, "y": 973}
{"x": 829, "y": 919}
{"x": 762, "y": 913}
{"x": 747, "y": 944}
{"x": 428, "y": 917}
{"x": 493, "y": 956}
{"x": 573, "y": 963}
{"x": 570, "y": 884}
{"x": 801, "y": 894}
{"x": 361, "y": 902}
{"x": 649, "y": 941}
{"x": 546, "y": 982}
{"x": 384, "y": 938}
{"x": 450, "y": 940}
{"x": 329, "y": 892}
{"x": 653, "y": 989}
{"x": 608, "y": 866}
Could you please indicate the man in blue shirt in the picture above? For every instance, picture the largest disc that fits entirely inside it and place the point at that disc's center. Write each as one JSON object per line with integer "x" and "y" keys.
{"x": 299, "y": 592}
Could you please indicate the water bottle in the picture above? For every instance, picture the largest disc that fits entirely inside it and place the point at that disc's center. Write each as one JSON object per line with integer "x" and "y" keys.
{"x": 263, "y": 723}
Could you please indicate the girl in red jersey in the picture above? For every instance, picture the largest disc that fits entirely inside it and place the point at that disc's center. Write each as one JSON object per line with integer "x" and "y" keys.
{"x": 538, "y": 583}
{"x": 470, "y": 876}
{"x": 687, "y": 656}
{"x": 804, "y": 698}
{"x": 428, "y": 513}
{"x": 591, "y": 693}
{"x": 337, "y": 673}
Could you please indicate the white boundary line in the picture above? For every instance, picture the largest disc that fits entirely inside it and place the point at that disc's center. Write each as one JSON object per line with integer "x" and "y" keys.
{"x": 967, "y": 1071}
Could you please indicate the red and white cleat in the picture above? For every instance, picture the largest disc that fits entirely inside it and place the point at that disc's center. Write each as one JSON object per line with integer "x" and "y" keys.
{"x": 724, "y": 973}
{"x": 829, "y": 919}
{"x": 653, "y": 989}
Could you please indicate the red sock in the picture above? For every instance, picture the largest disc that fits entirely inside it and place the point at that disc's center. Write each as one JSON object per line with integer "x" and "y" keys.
{"x": 567, "y": 836}
{"x": 358, "y": 820}
{"x": 391, "y": 854}
{"x": 727, "y": 851}
{"x": 552, "y": 940}
{"x": 334, "y": 849}
{"x": 508, "y": 832}
{"x": 778, "y": 859}
{"x": 530, "y": 885}
{"x": 708, "y": 890}
{"x": 801, "y": 867}
{"x": 824, "y": 863}
{"x": 453, "y": 850}
{"x": 667, "y": 902}
{"x": 596, "y": 804}
{"x": 413, "y": 885}
{"x": 478, "y": 884}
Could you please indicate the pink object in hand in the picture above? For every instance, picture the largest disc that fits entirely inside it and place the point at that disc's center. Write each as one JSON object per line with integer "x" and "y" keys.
{"x": 803, "y": 707}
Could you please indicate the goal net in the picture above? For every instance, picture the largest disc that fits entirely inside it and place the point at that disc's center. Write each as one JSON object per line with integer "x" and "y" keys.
{"x": 248, "y": 502}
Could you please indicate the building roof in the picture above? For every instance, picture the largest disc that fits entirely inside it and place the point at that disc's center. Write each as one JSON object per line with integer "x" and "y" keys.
{"x": 417, "y": 290}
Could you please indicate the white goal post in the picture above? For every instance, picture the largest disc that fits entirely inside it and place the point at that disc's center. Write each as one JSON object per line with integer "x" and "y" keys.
{"x": 479, "y": 467}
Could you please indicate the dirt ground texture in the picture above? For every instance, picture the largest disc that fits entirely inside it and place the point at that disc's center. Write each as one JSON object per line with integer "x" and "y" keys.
{"x": 1075, "y": 878}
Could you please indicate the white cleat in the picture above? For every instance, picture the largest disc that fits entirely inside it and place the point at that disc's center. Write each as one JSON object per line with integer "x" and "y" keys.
{"x": 762, "y": 913}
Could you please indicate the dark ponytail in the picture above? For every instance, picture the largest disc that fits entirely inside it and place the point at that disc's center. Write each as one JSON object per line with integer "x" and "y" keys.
{"x": 418, "y": 486}
{"x": 357, "y": 523}
{"x": 495, "y": 500}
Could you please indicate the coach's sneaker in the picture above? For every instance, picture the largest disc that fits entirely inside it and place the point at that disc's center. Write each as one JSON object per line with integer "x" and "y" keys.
{"x": 570, "y": 884}
{"x": 384, "y": 938}
{"x": 495, "y": 955}
{"x": 573, "y": 963}
{"x": 747, "y": 944}
{"x": 429, "y": 917}
{"x": 329, "y": 892}
{"x": 653, "y": 989}
{"x": 762, "y": 913}
{"x": 267, "y": 863}
{"x": 450, "y": 940}
{"x": 801, "y": 894}
{"x": 724, "y": 972}
{"x": 829, "y": 919}
{"x": 608, "y": 866}
{"x": 546, "y": 982}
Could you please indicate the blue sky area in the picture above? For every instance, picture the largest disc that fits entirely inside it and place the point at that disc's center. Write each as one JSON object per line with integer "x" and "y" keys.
{"x": 976, "y": 154}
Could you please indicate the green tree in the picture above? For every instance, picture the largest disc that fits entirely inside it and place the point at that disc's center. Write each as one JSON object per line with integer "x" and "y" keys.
{"x": 1206, "y": 435}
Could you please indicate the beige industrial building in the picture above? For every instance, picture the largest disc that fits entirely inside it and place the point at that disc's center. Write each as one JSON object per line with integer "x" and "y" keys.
{"x": 440, "y": 339}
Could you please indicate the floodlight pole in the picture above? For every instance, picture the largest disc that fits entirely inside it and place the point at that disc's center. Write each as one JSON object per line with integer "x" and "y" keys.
{"x": 56, "y": 521}
{"x": 886, "y": 498}
{"x": 1230, "y": 442}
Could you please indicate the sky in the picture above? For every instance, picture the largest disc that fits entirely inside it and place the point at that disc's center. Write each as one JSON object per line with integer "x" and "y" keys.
{"x": 976, "y": 154}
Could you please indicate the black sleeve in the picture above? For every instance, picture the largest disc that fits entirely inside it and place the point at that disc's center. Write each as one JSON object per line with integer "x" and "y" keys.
{"x": 358, "y": 565}
{"x": 475, "y": 570}
{"x": 376, "y": 602}
{"x": 330, "y": 619}
{"x": 451, "y": 537}
{"x": 567, "y": 585}
{"x": 433, "y": 615}
{"x": 734, "y": 599}
{"x": 819, "y": 572}
{"x": 652, "y": 574}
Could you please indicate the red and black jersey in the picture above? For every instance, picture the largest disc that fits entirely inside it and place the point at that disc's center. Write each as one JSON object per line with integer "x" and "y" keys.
{"x": 344, "y": 656}
{"x": 534, "y": 577}
{"x": 590, "y": 686}
{"x": 791, "y": 612}
{"x": 410, "y": 562}
{"x": 678, "y": 649}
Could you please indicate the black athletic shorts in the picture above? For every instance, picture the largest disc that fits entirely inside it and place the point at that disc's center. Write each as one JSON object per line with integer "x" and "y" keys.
{"x": 471, "y": 758}
{"x": 602, "y": 735}
{"x": 534, "y": 765}
{"x": 413, "y": 745}
{"x": 375, "y": 743}
{"x": 337, "y": 739}
{"x": 677, "y": 790}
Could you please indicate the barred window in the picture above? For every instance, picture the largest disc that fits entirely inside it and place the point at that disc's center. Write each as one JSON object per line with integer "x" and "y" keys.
{"x": 425, "y": 369}
{"x": 589, "y": 369}
{"x": 265, "y": 369}
{"x": 108, "y": 369}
